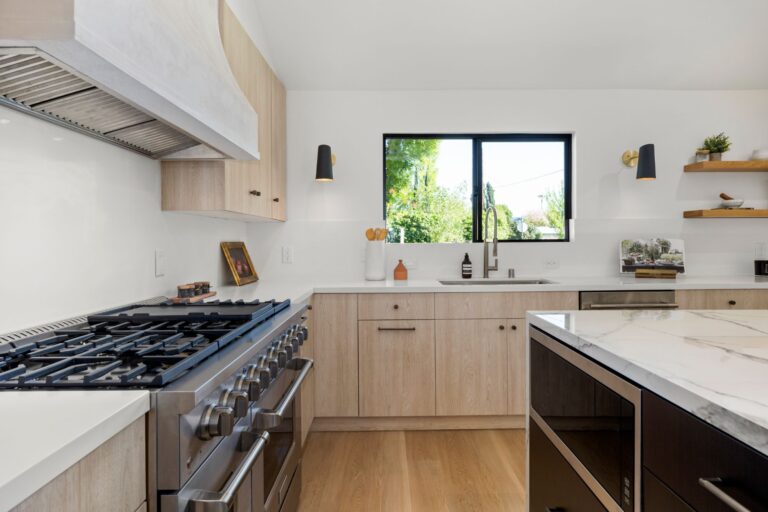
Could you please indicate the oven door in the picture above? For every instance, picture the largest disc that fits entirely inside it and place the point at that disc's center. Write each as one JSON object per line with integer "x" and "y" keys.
{"x": 591, "y": 416}
{"x": 282, "y": 454}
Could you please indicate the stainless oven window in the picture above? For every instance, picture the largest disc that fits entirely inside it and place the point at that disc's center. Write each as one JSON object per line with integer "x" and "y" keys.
{"x": 592, "y": 421}
{"x": 281, "y": 441}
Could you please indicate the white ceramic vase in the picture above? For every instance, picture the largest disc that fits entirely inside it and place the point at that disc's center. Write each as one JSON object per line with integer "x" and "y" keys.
{"x": 374, "y": 260}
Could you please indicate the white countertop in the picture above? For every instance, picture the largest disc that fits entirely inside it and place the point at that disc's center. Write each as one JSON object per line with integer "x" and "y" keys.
{"x": 713, "y": 364}
{"x": 42, "y": 433}
{"x": 301, "y": 291}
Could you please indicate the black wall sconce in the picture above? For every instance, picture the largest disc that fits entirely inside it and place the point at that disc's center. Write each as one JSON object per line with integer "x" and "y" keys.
{"x": 325, "y": 162}
{"x": 644, "y": 159}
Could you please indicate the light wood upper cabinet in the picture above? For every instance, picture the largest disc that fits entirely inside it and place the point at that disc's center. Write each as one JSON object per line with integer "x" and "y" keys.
{"x": 279, "y": 149}
{"x": 397, "y": 368}
{"x": 238, "y": 188}
{"x": 334, "y": 318}
{"x": 722, "y": 299}
{"x": 471, "y": 367}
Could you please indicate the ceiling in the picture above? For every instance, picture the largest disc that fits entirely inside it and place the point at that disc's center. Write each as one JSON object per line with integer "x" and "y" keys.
{"x": 518, "y": 44}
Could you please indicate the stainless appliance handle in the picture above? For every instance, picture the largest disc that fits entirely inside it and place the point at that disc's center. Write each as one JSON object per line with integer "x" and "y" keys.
{"x": 222, "y": 501}
{"x": 655, "y": 305}
{"x": 271, "y": 418}
{"x": 709, "y": 484}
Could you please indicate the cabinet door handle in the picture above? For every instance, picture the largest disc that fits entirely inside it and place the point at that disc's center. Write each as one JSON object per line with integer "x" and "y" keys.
{"x": 710, "y": 485}
{"x": 501, "y": 327}
{"x": 554, "y": 509}
{"x": 254, "y": 192}
{"x": 513, "y": 327}
{"x": 732, "y": 302}
{"x": 396, "y": 306}
{"x": 276, "y": 199}
{"x": 397, "y": 328}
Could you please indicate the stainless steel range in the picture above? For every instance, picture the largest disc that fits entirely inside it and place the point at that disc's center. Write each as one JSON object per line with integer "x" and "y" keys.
{"x": 223, "y": 429}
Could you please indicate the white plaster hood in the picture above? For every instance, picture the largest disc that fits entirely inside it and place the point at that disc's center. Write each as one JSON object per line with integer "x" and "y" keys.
{"x": 163, "y": 57}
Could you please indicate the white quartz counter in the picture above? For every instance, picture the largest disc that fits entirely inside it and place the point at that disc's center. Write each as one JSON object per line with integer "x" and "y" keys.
{"x": 713, "y": 364}
{"x": 300, "y": 291}
{"x": 42, "y": 433}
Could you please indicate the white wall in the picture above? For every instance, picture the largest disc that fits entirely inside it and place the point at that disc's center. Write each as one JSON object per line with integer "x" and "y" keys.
{"x": 327, "y": 219}
{"x": 79, "y": 223}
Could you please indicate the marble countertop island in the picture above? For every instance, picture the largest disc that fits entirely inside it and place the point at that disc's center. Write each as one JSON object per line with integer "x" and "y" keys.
{"x": 713, "y": 364}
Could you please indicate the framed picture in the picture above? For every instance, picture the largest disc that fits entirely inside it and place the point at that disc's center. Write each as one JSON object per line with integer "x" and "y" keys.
{"x": 239, "y": 262}
{"x": 652, "y": 253}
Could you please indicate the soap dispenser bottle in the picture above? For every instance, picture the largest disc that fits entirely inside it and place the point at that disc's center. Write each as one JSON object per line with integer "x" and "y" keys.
{"x": 466, "y": 267}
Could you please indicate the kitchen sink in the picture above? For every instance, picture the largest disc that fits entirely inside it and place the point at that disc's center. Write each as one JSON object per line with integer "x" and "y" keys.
{"x": 496, "y": 281}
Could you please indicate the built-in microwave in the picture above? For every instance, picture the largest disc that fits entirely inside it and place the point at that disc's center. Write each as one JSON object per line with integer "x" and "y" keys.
{"x": 592, "y": 416}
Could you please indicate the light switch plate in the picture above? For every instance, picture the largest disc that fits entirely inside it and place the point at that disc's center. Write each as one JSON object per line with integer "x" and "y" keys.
{"x": 159, "y": 263}
{"x": 287, "y": 254}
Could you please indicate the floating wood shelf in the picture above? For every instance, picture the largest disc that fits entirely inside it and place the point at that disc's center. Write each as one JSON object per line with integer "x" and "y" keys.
{"x": 722, "y": 213}
{"x": 729, "y": 166}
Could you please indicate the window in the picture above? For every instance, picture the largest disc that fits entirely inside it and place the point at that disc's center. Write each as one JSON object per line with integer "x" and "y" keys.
{"x": 437, "y": 187}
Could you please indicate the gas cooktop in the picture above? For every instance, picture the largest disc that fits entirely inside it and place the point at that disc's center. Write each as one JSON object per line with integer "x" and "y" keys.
{"x": 134, "y": 346}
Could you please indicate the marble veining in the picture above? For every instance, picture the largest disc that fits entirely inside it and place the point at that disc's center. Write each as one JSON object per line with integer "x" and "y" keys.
{"x": 713, "y": 364}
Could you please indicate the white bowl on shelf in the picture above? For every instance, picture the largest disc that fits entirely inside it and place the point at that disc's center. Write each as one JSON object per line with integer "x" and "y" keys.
{"x": 732, "y": 203}
{"x": 760, "y": 154}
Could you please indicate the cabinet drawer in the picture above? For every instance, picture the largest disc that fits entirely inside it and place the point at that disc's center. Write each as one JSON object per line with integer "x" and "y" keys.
{"x": 722, "y": 299}
{"x": 657, "y": 496}
{"x": 555, "y": 485}
{"x": 471, "y": 305}
{"x": 679, "y": 449}
{"x": 396, "y": 306}
{"x": 522, "y": 302}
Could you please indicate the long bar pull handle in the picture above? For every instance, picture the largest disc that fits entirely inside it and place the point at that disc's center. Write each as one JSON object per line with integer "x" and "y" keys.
{"x": 655, "y": 305}
{"x": 266, "y": 419}
{"x": 224, "y": 500}
{"x": 397, "y": 328}
{"x": 709, "y": 484}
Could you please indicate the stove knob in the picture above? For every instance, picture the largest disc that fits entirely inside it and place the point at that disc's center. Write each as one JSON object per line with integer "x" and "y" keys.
{"x": 296, "y": 342}
{"x": 273, "y": 361}
{"x": 287, "y": 346}
{"x": 265, "y": 375}
{"x": 249, "y": 382}
{"x": 235, "y": 399}
{"x": 217, "y": 420}
{"x": 305, "y": 331}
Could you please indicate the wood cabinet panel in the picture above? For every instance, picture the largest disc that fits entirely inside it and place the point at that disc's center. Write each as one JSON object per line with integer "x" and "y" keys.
{"x": 471, "y": 305}
{"x": 517, "y": 367}
{"x": 336, "y": 355}
{"x": 521, "y": 302}
{"x": 397, "y": 368}
{"x": 112, "y": 477}
{"x": 722, "y": 299}
{"x": 279, "y": 149}
{"x": 193, "y": 186}
{"x": 500, "y": 304}
{"x": 471, "y": 367}
{"x": 396, "y": 306}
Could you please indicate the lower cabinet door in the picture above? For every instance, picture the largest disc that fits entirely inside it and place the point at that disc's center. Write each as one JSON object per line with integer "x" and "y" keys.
{"x": 471, "y": 367}
{"x": 554, "y": 485}
{"x": 397, "y": 368}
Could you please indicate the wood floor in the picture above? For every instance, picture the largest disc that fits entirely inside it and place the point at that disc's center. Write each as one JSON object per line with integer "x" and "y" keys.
{"x": 415, "y": 471}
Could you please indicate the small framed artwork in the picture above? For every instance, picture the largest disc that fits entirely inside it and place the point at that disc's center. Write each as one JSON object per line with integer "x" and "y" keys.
{"x": 652, "y": 253}
{"x": 239, "y": 262}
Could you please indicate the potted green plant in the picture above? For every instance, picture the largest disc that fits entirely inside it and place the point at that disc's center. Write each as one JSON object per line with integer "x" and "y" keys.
{"x": 717, "y": 145}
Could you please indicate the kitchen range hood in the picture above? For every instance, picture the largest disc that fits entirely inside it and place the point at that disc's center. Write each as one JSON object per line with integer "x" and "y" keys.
{"x": 147, "y": 75}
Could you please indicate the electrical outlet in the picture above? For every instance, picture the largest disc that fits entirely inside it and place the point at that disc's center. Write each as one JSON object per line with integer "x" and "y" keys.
{"x": 287, "y": 254}
{"x": 551, "y": 264}
{"x": 159, "y": 263}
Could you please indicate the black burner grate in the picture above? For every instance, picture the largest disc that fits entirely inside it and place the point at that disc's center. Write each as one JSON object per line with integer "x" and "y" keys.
{"x": 137, "y": 346}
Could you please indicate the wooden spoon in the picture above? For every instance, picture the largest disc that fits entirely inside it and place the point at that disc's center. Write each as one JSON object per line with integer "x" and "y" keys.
{"x": 725, "y": 197}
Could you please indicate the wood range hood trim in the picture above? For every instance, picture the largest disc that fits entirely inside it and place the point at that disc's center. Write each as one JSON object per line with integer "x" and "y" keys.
{"x": 164, "y": 58}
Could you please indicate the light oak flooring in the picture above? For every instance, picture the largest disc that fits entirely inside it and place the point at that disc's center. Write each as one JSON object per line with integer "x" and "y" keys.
{"x": 414, "y": 471}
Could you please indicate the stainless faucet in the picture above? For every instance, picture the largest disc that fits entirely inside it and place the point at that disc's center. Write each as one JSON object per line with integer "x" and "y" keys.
{"x": 487, "y": 268}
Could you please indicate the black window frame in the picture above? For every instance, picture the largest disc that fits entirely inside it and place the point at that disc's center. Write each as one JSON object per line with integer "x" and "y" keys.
{"x": 477, "y": 140}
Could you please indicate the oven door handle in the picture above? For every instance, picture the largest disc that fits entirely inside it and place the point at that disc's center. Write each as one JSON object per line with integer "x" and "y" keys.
{"x": 653, "y": 305}
{"x": 267, "y": 419}
{"x": 223, "y": 500}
